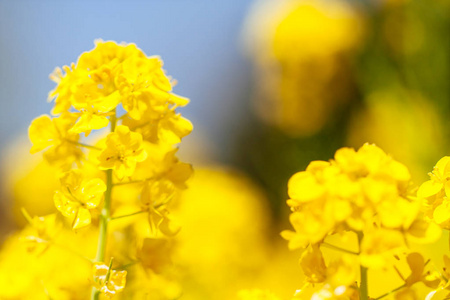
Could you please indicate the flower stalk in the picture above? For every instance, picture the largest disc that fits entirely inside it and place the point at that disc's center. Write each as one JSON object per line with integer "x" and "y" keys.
{"x": 363, "y": 287}
{"x": 105, "y": 217}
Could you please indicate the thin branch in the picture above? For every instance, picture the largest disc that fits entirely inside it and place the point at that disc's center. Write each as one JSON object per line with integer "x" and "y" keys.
{"x": 388, "y": 293}
{"x": 129, "y": 215}
{"x": 339, "y": 248}
{"x": 83, "y": 145}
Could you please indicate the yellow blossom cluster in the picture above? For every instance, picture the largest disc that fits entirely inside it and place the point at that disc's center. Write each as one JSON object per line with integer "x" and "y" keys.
{"x": 131, "y": 170}
{"x": 368, "y": 194}
{"x": 301, "y": 50}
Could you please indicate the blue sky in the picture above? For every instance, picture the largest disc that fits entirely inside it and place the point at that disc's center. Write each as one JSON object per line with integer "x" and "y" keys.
{"x": 198, "y": 41}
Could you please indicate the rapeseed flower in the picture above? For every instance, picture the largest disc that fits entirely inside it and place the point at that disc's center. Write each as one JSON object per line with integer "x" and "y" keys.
{"x": 436, "y": 191}
{"x": 367, "y": 193}
{"x": 89, "y": 95}
{"x": 53, "y": 134}
{"x": 123, "y": 151}
{"x": 78, "y": 196}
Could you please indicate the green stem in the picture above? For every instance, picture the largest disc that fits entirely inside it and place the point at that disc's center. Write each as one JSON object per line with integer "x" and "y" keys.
{"x": 388, "y": 293}
{"x": 338, "y": 248}
{"x": 129, "y": 215}
{"x": 62, "y": 247}
{"x": 83, "y": 145}
{"x": 108, "y": 274}
{"x": 131, "y": 182}
{"x": 113, "y": 121}
{"x": 124, "y": 267}
{"x": 363, "y": 287}
{"x": 105, "y": 216}
{"x": 104, "y": 220}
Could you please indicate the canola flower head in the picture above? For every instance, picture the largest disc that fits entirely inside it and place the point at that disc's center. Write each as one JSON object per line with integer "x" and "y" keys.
{"x": 113, "y": 74}
{"x": 143, "y": 174}
{"x": 365, "y": 191}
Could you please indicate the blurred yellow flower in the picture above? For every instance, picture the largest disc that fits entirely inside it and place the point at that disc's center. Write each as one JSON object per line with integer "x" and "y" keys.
{"x": 404, "y": 124}
{"x": 236, "y": 245}
{"x": 302, "y": 50}
{"x": 25, "y": 275}
{"x": 351, "y": 192}
{"x": 313, "y": 264}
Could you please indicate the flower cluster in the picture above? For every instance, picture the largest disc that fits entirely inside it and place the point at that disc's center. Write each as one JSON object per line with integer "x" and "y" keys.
{"x": 116, "y": 86}
{"x": 363, "y": 192}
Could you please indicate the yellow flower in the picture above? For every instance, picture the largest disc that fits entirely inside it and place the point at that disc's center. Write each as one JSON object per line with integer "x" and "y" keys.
{"x": 438, "y": 180}
{"x": 351, "y": 192}
{"x": 416, "y": 264}
{"x": 379, "y": 246}
{"x": 40, "y": 233}
{"x": 300, "y": 49}
{"x": 123, "y": 151}
{"x": 155, "y": 254}
{"x": 54, "y": 134}
{"x": 106, "y": 56}
{"x": 145, "y": 88}
{"x": 313, "y": 264}
{"x": 163, "y": 175}
{"x": 108, "y": 281}
{"x": 32, "y": 276}
{"x": 90, "y": 119}
{"x": 62, "y": 92}
{"x": 78, "y": 196}
{"x": 436, "y": 192}
{"x": 168, "y": 128}
{"x": 342, "y": 272}
{"x": 311, "y": 226}
{"x": 93, "y": 115}
{"x": 155, "y": 196}
{"x": 423, "y": 232}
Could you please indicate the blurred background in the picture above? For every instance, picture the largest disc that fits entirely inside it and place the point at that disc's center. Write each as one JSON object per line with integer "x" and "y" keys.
{"x": 273, "y": 85}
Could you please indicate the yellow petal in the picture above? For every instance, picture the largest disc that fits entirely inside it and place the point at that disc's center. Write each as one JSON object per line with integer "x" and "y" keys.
{"x": 42, "y": 133}
{"x": 92, "y": 192}
{"x": 441, "y": 213}
{"x": 424, "y": 232}
{"x": 82, "y": 219}
{"x": 442, "y": 167}
{"x": 64, "y": 204}
{"x": 429, "y": 188}
{"x": 169, "y": 227}
{"x": 416, "y": 264}
{"x": 303, "y": 186}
